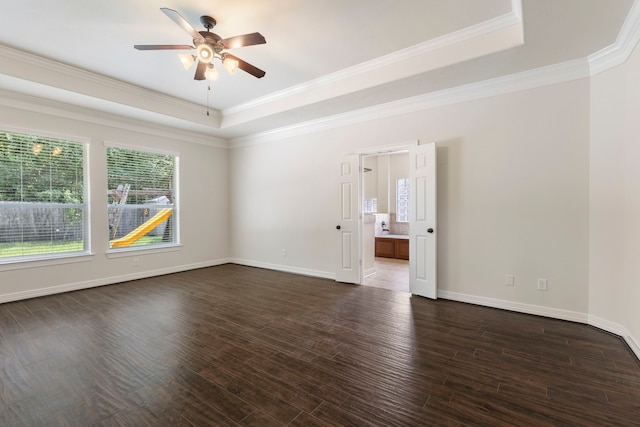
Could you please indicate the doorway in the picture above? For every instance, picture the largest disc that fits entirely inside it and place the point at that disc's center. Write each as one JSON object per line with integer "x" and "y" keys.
{"x": 385, "y": 207}
{"x": 422, "y": 219}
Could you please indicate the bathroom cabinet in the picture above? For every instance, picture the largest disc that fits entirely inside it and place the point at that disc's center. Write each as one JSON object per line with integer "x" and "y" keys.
{"x": 392, "y": 246}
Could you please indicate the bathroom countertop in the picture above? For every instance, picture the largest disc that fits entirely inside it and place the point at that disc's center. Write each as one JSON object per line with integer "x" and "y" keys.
{"x": 394, "y": 236}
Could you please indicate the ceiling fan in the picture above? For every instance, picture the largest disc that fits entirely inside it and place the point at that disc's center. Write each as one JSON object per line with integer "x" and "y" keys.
{"x": 209, "y": 46}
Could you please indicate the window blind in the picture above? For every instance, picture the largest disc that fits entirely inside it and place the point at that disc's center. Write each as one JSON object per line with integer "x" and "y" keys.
{"x": 42, "y": 196}
{"x": 141, "y": 198}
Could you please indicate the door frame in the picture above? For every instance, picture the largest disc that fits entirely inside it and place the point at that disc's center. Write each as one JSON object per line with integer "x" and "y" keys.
{"x": 373, "y": 151}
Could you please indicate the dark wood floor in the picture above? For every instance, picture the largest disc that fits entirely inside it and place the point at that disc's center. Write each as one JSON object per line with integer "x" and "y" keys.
{"x": 234, "y": 345}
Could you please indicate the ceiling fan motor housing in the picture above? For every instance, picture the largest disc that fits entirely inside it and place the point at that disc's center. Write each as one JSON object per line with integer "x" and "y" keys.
{"x": 208, "y": 22}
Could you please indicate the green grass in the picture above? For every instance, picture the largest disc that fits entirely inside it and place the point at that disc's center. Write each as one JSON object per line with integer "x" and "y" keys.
{"x": 58, "y": 246}
{"x": 148, "y": 240}
{"x": 36, "y": 248}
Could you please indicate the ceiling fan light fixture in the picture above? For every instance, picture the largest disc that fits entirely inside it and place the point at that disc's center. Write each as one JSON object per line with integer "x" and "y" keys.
{"x": 205, "y": 53}
{"x": 230, "y": 64}
{"x": 211, "y": 73}
{"x": 187, "y": 60}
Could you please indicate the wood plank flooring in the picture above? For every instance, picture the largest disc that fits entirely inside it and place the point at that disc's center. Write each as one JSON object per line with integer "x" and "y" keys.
{"x": 233, "y": 345}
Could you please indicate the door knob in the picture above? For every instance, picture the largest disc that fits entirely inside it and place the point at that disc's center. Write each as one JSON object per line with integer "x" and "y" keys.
{"x": 429, "y": 230}
{"x": 338, "y": 227}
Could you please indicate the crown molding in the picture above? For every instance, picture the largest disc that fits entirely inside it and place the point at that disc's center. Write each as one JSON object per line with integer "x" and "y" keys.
{"x": 544, "y": 76}
{"x": 55, "y": 108}
{"x": 475, "y": 31}
{"x": 27, "y": 67}
{"x": 619, "y": 52}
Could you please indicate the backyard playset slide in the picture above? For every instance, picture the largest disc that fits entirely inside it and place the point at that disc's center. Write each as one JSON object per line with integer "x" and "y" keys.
{"x": 143, "y": 230}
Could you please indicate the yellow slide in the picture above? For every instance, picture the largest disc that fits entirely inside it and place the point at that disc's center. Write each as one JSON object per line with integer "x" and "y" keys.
{"x": 141, "y": 231}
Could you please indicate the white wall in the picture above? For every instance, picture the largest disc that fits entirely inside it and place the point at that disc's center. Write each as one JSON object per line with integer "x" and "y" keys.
{"x": 513, "y": 196}
{"x": 539, "y": 184}
{"x": 614, "y": 266}
{"x": 204, "y": 211}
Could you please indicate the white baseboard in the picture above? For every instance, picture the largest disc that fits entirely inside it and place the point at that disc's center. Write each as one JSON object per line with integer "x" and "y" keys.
{"x": 284, "y": 268}
{"x": 15, "y": 296}
{"x": 555, "y": 313}
{"x": 370, "y": 272}
{"x": 616, "y": 329}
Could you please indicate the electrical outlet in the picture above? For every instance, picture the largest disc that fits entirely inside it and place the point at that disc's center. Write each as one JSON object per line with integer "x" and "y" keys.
{"x": 542, "y": 284}
{"x": 508, "y": 280}
{"x": 136, "y": 262}
{"x": 284, "y": 252}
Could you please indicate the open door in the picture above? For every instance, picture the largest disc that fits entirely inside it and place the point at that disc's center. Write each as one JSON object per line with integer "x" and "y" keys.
{"x": 423, "y": 232}
{"x": 348, "y": 226}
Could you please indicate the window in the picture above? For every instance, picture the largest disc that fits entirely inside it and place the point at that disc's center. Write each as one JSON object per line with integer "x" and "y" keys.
{"x": 141, "y": 198}
{"x": 371, "y": 205}
{"x": 42, "y": 197}
{"x": 402, "y": 200}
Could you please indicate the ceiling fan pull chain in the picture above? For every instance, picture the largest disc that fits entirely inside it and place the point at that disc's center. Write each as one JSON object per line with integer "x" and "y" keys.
{"x": 208, "y": 90}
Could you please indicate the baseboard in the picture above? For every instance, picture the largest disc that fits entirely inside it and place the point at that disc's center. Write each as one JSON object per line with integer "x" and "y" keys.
{"x": 555, "y": 313}
{"x": 284, "y": 268}
{"x": 537, "y": 310}
{"x": 616, "y": 329}
{"x": 573, "y": 316}
{"x": 370, "y": 272}
{"x": 106, "y": 281}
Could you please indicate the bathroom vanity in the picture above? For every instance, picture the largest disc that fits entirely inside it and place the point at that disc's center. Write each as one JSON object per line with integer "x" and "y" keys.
{"x": 392, "y": 246}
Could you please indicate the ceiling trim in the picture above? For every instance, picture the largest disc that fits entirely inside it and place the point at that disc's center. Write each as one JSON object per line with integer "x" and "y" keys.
{"x": 495, "y": 34}
{"x": 28, "y": 68}
{"x": 619, "y": 52}
{"x": 544, "y": 76}
{"x": 55, "y": 108}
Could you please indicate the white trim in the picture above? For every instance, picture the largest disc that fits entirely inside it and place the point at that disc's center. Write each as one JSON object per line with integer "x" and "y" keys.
{"x": 618, "y": 52}
{"x": 388, "y": 148}
{"x": 35, "y": 131}
{"x": 561, "y": 314}
{"x": 139, "y": 147}
{"x": 134, "y": 251}
{"x": 633, "y": 344}
{"x": 539, "y": 77}
{"x": 54, "y": 108}
{"x": 616, "y": 329}
{"x": 45, "y": 260}
{"x": 516, "y": 8}
{"x": 284, "y": 268}
{"x": 94, "y": 80}
{"x": 519, "y": 307}
{"x": 108, "y": 281}
{"x": 469, "y": 33}
{"x": 572, "y": 316}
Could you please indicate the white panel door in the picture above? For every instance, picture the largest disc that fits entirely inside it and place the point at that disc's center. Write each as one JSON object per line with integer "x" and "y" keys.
{"x": 422, "y": 202}
{"x": 348, "y": 226}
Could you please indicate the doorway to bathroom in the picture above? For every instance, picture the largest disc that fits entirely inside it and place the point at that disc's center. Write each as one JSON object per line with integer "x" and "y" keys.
{"x": 385, "y": 220}
{"x": 352, "y": 259}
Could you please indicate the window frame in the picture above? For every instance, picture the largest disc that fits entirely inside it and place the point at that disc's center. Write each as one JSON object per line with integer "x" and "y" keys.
{"x": 153, "y": 248}
{"x": 56, "y": 258}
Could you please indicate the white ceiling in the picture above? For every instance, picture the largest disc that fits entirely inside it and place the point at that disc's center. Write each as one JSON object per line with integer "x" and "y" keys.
{"x": 321, "y": 57}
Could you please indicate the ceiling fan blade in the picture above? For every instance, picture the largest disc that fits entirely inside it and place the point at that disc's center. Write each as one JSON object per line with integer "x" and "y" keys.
{"x": 178, "y": 19}
{"x": 245, "y": 66}
{"x": 163, "y": 46}
{"x": 244, "y": 40}
{"x": 202, "y": 67}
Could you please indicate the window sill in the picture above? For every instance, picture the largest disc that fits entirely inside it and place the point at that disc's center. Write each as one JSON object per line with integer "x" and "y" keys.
{"x": 143, "y": 250}
{"x": 50, "y": 260}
